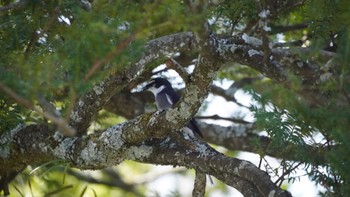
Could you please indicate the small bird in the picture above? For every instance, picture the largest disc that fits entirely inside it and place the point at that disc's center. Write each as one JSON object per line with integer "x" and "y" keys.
{"x": 166, "y": 97}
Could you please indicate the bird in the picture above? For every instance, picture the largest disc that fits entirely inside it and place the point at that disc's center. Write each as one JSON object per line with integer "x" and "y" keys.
{"x": 166, "y": 97}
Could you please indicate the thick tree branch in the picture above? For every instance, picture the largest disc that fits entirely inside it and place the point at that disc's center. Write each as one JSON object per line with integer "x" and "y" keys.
{"x": 248, "y": 51}
{"x": 114, "y": 146}
{"x": 243, "y": 138}
{"x": 228, "y": 95}
{"x": 89, "y": 104}
{"x": 208, "y": 161}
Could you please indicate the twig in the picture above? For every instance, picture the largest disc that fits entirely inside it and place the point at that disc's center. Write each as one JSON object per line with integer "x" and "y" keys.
{"x": 217, "y": 117}
{"x": 264, "y": 150}
{"x": 47, "y": 106}
{"x": 281, "y": 178}
{"x": 61, "y": 123}
{"x": 173, "y": 64}
{"x": 226, "y": 95}
{"x": 160, "y": 71}
{"x": 260, "y": 162}
{"x": 36, "y": 35}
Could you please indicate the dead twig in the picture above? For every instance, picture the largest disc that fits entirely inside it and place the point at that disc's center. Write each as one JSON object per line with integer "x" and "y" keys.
{"x": 217, "y": 117}
{"x": 173, "y": 64}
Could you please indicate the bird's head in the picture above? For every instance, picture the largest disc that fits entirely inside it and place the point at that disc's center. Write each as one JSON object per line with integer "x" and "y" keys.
{"x": 157, "y": 85}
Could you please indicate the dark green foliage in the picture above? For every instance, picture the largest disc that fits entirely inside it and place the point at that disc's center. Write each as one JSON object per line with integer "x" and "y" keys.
{"x": 325, "y": 19}
{"x": 300, "y": 121}
{"x": 233, "y": 14}
{"x": 10, "y": 115}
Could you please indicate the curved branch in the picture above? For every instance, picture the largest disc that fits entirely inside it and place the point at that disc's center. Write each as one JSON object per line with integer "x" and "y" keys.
{"x": 248, "y": 51}
{"x": 114, "y": 145}
{"x": 228, "y": 95}
{"x": 242, "y": 175}
{"x": 243, "y": 138}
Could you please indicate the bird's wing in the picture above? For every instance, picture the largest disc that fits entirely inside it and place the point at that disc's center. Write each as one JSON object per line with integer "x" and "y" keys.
{"x": 172, "y": 97}
{"x": 194, "y": 127}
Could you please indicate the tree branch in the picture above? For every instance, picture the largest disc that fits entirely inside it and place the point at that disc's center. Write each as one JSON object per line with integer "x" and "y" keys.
{"x": 248, "y": 51}
{"x": 114, "y": 145}
{"x": 245, "y": 177}
{"x": 173, "y": 64}
{"x": 217, "y": 117}
{"x": 199, "y": 184}
{"x": 243, "y": 138}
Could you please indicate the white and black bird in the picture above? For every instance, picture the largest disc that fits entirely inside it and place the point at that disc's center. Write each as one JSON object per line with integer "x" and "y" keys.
{"x": 166, "y": 97}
